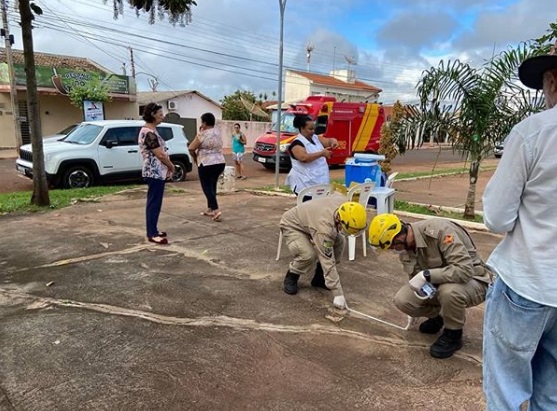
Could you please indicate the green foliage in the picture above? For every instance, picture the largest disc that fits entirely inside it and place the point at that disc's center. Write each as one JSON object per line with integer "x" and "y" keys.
{"x": 543, "y": 44}
{"x": 234, "y": 109}
{"x": 178, "y": 11}
{"x": 470, "y": 107}
{"x": 93, "y": 90}
{"x": 387, "y": 142}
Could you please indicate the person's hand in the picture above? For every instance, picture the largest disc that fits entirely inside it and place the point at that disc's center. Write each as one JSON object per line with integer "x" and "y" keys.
{"x": 327, "y": 153}
{"x": 417, "y": 282}
{"x": 333, "y": 143}
{"x": 339, "y": 302}
{"x": 170, "y": 172}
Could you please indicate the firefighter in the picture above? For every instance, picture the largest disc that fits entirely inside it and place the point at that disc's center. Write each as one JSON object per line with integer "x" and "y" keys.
{"x": 313, "y": 232}
{"x": 438, "y": 255}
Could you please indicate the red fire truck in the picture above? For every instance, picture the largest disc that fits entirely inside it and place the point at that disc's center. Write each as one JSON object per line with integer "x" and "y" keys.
{"x": 356, "y": 126}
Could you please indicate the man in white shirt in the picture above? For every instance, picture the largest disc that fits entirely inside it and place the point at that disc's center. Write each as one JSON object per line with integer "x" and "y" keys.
{"x": 520, "y": 201}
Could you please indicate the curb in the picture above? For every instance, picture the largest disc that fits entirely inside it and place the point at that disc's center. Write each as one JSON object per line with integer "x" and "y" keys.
{"x": 466, "y": 224}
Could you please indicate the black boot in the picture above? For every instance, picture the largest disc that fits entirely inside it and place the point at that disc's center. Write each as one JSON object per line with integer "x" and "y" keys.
{"x": 318, "y": 278}
{"x": 432, "y": 325}
{"x": 447, "y": 344}
{"x": 291, "y": 283}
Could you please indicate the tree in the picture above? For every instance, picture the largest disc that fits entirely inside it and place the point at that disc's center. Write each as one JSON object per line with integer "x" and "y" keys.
{"x": 93, "y": 90}
{"x": 178, "y": 11}
{"x": 389, "y": 131}
{"x": 472, "y": 108}
{"x": 242, "y": 106}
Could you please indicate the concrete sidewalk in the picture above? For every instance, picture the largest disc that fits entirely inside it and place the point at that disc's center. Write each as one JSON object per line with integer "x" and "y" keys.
{"x": 93, "y": 317}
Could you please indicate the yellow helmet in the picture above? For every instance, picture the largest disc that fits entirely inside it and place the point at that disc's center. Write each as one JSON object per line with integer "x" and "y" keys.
{"x": 353, "y": 217}
{"x": 383, "y": 229}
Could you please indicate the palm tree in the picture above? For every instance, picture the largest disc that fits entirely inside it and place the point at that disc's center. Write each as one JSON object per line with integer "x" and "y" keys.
{"x": 471, "y": 107}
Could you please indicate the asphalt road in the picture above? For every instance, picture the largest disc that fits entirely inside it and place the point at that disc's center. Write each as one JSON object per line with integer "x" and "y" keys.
{"x": 416, "y": 160}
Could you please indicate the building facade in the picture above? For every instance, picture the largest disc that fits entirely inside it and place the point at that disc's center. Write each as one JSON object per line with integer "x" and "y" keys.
{"x": 341, "y": 84}
{"x": 56, "y": 75}
{"x": 183, "y": 107}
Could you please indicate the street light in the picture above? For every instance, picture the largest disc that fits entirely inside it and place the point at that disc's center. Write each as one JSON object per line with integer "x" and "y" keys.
{"x": 282, "y": 5}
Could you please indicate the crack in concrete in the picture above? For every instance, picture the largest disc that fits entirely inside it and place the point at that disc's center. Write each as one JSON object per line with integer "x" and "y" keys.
{"x": 217, "y": 321}
{"x": 173, "y": 249}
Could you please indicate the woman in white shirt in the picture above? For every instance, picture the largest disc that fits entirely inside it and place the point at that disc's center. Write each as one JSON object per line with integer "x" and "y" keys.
{"x": 309, "y": 153}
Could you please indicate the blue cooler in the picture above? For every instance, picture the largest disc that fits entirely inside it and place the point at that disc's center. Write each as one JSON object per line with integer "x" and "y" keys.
{"x": 363, "y": 167}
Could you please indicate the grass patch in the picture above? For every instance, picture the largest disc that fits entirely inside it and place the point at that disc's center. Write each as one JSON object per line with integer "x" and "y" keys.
{"x": 413, "y": 208}
{"x": 19, "y": 202}
{"x": 282, "y": 189}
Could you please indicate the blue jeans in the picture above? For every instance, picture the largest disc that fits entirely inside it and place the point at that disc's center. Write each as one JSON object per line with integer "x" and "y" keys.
{"x": 519, "y": 352}
{"x": 155, "y": 193}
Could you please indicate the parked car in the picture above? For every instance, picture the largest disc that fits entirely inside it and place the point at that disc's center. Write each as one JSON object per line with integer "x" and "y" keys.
{"x": 104, "y": 150}
{"x": 60, "y": 135}
{"x": 498, "y": 150}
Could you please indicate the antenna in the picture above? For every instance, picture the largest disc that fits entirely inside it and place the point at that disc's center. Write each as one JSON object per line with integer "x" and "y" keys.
{"x": 350, "y": 75}
{"x": 351, "y": 61}
{"x": 309, "y": 48}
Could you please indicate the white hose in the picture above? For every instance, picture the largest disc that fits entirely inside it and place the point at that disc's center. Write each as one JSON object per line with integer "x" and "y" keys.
{"x": 408, "y": 325}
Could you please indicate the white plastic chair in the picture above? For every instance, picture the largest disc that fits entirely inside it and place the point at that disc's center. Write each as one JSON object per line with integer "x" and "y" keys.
{"x": 316, "y": 191}
{"x": 391, "y": 180}
{"x": 364, "y": 191}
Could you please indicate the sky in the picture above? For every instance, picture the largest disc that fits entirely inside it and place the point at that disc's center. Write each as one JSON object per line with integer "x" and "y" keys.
{"x": 234, "y": 44}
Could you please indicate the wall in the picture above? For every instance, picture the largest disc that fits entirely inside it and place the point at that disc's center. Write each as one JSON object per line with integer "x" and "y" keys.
{"x": 252, "y": 130}
{"x": 296, "y": 87}
{"x": 344, "y": 94}
{"x": 7, "y": 136}
{"x": 193, "y": 106}
{"x": 57, "y": 113}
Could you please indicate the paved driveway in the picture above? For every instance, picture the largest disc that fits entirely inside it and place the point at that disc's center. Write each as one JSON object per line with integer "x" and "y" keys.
{"x": 94, "y": 318}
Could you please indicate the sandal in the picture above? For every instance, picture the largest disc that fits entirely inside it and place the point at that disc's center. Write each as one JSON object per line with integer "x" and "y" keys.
{"x": 208, "y": 213}
{"x": 161, "y": 234}
{"x": 217, "y": 216}
{"x": 158, "y": 240}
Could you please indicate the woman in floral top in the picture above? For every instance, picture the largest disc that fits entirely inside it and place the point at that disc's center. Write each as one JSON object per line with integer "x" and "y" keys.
{"x": 206, "y": 150}
{"x": 157, "y": 168}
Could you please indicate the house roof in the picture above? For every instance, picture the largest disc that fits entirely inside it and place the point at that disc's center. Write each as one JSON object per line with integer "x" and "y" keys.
{"x": 144, "y": 97}
{"x": 56, "y": 60}
{"x": 326, "y": 80}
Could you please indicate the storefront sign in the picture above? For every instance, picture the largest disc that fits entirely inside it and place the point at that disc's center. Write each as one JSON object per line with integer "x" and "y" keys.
{"x": 63, "y": 79}
{"x": 93, "y": 110}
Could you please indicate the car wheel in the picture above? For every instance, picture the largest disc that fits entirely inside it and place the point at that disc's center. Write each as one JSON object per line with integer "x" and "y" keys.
{"x": 179, "y": 171}
{"x": 78, "y": 177}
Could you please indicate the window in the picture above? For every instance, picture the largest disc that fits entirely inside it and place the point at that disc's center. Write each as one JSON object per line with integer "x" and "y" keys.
{"x": 165, "y": 132}
{"x": 123, "y": 136}
{"x": 321, "y": 124}
{"x": 84, "y": 134}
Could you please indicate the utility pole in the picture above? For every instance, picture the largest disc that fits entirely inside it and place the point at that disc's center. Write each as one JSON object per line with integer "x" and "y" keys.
{"x": 132, "y": 61}
{"x": 282, "y": 6}
{"x": 8, "y": 41}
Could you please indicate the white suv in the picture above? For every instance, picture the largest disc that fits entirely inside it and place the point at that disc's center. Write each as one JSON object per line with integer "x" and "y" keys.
{"x": 104, "y": 150}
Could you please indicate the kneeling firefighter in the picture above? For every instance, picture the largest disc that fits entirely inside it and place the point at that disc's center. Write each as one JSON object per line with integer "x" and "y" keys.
{"x": 447, "y": 275}
{"x": 314, "y": 233}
